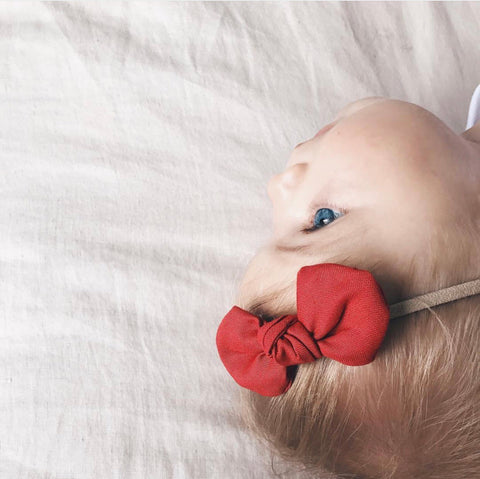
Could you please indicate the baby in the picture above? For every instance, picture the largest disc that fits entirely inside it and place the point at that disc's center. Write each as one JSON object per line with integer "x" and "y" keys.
{"x": 386, "y": 187}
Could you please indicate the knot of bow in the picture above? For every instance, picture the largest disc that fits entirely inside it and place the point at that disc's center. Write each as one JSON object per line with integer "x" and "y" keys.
{"x": 342, "y": 314}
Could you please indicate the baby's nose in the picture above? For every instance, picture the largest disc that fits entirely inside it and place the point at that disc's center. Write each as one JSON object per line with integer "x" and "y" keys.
{"x": 284, "y": 183}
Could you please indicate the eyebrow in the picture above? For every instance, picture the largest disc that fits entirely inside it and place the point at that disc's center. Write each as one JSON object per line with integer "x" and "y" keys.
{"x": 300, "y": 247}
{"x": 292, "y": 248}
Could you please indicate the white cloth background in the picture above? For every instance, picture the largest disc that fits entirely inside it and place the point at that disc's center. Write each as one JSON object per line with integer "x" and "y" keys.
{"x": 137, "y": 140}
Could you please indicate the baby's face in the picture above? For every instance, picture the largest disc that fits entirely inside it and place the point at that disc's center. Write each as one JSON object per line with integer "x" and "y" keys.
{"x": 385, "y": 175}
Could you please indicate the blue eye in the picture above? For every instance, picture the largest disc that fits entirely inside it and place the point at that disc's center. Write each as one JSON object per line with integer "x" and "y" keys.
{"x": 323, "y": 217}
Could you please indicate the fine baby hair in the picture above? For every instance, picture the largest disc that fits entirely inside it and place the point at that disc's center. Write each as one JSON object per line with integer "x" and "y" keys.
{"x": 357, "y": 348}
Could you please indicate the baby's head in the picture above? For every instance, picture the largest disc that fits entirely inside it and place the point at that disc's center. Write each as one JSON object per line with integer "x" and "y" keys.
{"x": 386, "y": 187}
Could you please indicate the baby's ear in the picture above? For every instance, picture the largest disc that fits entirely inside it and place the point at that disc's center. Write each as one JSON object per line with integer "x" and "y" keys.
{"x": 472, "y": 134}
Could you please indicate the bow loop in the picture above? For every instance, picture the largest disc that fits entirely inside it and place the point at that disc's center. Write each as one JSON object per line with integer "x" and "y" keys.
{"x": 345, "y": 310}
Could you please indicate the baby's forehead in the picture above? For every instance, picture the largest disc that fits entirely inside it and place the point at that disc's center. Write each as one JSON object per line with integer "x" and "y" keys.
{"x": 268, "y": 266}
{"x": 275, "y": 266}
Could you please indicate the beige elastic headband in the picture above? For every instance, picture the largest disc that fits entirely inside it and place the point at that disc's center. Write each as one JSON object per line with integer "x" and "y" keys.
{"x": 435, "y": 298}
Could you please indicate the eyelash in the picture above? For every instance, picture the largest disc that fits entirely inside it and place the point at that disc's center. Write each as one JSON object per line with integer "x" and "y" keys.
{"x": 308, "y": 226}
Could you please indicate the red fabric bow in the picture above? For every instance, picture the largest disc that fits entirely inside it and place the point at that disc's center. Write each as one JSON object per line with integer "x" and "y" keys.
{"x": 342, "y": 314}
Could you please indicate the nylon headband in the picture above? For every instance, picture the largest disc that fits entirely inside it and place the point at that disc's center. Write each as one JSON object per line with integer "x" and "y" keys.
{"x": 435, "y": 298}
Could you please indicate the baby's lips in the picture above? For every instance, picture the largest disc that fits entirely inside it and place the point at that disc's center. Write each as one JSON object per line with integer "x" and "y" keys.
{"x": 325, "y": 129}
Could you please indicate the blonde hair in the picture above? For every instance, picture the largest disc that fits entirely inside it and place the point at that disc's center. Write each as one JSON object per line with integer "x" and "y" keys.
{"x": 412, "y": 412}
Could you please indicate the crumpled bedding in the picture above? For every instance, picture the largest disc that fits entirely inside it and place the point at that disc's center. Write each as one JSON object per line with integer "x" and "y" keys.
{"x": 137, "y": 140}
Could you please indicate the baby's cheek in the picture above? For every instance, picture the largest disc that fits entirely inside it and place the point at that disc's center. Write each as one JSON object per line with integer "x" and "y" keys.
{"x": 358, "y": 105}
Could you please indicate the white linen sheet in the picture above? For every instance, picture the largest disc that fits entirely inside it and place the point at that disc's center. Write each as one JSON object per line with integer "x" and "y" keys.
{"x": 137, "y": 140}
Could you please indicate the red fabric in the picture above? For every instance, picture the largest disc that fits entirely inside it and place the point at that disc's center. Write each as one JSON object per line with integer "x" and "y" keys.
{"x": 342, "y": 314}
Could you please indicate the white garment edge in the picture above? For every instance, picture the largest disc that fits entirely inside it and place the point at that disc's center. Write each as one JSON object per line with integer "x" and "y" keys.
{"x": 474, "y": 109}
